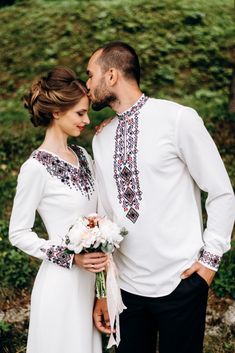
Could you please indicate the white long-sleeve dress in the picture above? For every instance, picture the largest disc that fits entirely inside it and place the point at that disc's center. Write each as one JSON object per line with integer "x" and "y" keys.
{"x": 63, "y": 294}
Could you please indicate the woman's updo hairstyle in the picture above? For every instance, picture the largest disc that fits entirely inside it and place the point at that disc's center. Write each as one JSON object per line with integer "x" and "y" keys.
{"x": 59, "y": 91}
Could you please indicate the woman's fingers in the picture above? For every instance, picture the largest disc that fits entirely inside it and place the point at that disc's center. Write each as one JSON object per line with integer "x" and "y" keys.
{"x": 96, "y": 266}
{"x": 93, "y": 262}
{"x": 93, "y": 270}
{"x": 95, "y": 258}
{"x": 94, "y": 255}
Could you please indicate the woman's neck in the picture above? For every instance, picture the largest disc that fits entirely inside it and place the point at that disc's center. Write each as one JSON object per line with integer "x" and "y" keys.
{"x": 55, "y": 141}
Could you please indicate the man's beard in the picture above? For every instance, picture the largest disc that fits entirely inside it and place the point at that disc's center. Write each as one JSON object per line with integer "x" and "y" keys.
{"x": 103, "y": 99}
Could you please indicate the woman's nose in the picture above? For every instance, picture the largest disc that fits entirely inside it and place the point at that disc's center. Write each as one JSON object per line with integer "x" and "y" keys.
{"x": 86, "y": 119}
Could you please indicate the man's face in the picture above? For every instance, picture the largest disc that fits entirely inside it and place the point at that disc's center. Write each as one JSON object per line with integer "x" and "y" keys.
{"x": 99, "y": 92}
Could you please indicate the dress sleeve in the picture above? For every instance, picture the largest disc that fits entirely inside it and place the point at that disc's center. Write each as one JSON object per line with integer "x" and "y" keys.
{"x": 29, "y": 194}
{"x": 100, "y": 208}
{"x": 200, "y": 155}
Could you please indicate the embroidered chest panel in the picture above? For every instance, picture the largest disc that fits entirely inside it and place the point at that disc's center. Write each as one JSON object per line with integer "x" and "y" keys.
{"x": 79, "y": 178}
{"x": 126, "y": 171}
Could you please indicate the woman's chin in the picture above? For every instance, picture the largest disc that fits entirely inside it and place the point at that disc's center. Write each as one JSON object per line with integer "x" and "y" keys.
{"x": 75, "y": 133}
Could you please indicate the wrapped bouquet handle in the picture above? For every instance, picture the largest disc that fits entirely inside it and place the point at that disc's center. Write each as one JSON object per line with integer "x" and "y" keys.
{"x": 114, "y": 301}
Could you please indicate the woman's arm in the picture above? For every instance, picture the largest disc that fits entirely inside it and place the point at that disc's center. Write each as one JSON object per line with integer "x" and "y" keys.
{"x": 29, "y": 193}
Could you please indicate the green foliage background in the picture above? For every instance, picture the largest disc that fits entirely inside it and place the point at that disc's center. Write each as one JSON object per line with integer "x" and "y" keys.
{"x": 187, "y": 54}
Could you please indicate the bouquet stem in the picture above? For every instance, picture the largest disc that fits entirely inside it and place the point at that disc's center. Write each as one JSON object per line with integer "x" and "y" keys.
{"x": 100, "y": 286}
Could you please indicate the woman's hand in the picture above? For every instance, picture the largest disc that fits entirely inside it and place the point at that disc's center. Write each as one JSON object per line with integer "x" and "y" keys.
{"x": 93, "y": 262}
{"x": 100, "y": 127}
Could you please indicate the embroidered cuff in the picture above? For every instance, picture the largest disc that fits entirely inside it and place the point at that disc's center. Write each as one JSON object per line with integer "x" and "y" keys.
{"x": 210, "y": 260}
{"x": 58, "y": 255}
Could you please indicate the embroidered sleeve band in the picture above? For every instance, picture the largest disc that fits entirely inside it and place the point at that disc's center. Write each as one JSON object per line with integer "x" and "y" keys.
{"x": 210, "y": 260}
{"x": 58, "y": 255}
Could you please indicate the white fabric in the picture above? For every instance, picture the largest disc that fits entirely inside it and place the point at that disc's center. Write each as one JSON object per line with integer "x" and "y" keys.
{"x": 114, "y": 302}
{"x": 62, "y": 299}
{"x": 176, "y": 156}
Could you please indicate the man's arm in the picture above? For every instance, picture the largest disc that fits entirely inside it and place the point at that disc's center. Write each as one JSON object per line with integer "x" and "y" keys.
{"x": 200, "y": 155}
{"x": 100, "y": 127}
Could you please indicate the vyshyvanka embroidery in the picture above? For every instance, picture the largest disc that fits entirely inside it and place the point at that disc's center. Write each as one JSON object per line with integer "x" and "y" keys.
{"x": 79, "y": 178}
{"x": 126, "y": 171}
{"x": 210, "y": 259}
{"x": 58, "y": 255}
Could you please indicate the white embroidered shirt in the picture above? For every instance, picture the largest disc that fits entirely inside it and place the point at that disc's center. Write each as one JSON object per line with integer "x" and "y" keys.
{"x": 151, "y": 162}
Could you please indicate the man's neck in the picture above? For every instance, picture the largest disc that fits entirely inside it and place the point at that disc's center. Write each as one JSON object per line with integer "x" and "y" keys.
{"x": 126, "y": 99}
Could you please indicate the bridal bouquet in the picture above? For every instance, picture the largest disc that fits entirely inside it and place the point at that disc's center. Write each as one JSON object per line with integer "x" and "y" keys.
{"x": 95, "y": 233}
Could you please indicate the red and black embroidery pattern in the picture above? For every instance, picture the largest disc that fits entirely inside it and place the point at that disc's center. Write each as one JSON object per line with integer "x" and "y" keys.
{"x": 79, "y": 178}
{"x": 210, "y": 259}
{"x": 126, "y": 172}
{"x": 58, "y": 255}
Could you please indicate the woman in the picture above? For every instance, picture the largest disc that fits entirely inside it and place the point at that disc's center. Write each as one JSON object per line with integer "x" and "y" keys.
{"x": 58, "y": 182}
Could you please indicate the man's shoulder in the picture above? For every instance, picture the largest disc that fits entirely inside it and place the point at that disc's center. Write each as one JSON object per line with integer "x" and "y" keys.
{"x": 168, "y": 111}
{"x": 164, "y": 104}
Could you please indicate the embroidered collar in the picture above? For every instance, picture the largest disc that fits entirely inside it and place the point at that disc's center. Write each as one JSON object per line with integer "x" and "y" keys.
{"x": 135, "y": 108}
{"x": 79, "y": 178}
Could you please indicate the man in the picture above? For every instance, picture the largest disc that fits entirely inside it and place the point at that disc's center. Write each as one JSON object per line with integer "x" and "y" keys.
{"x": 151, "y": 161}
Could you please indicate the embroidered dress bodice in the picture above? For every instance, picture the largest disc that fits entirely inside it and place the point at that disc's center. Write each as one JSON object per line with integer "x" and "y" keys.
{"x": 45, "y": 179}
{"x": 78, "y": 177}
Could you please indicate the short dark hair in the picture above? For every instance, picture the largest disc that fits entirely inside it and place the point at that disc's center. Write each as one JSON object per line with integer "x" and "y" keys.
{"x": 60, "y": 90}
{"x": 121, "y": 56}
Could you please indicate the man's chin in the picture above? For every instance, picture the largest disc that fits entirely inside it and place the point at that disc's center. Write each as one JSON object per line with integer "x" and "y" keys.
{"x": 98, "y": 106}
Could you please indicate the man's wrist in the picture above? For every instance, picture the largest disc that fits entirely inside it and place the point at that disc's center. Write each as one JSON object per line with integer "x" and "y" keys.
{"x": 210, "y": 260}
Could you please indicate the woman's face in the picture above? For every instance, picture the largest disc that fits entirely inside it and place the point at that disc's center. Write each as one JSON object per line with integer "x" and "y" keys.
{"x": 73, "y": 121}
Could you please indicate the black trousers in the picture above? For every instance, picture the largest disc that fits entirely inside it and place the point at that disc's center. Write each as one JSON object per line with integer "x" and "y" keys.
{"x": 178, "y": 319}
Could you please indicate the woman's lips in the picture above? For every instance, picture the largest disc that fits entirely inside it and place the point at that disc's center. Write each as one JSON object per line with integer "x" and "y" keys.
{"x": 81, "y": 128}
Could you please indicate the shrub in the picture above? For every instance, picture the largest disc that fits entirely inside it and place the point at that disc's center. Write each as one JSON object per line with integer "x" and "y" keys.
{"x": 12, "y": 340}
{"x": 17, "y": 268}
{"x": 224, "y": 280}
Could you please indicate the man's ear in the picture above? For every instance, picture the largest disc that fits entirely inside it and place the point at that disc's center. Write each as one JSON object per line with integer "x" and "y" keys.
{"x": 112, "y": 76}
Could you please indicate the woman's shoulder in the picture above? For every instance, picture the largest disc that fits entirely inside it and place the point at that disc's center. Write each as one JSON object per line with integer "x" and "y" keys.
{"x": 32, "y": 165}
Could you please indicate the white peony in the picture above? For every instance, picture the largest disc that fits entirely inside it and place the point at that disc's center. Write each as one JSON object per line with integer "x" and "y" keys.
{"x": 110, "y": 232}
{"x": 91, "y": 232}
